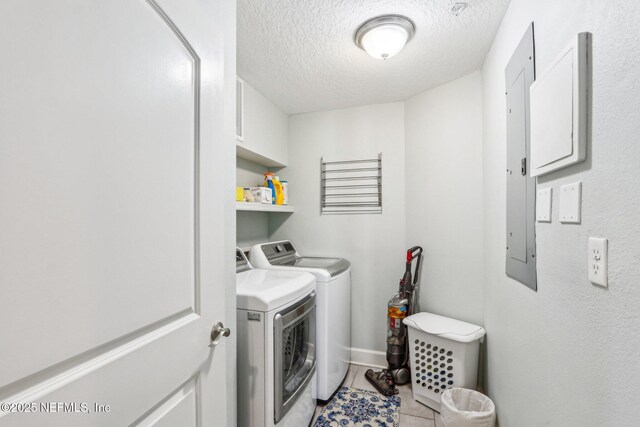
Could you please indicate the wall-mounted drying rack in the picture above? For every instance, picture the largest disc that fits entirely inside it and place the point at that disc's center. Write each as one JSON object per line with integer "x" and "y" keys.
{"x": 351, "y": 186}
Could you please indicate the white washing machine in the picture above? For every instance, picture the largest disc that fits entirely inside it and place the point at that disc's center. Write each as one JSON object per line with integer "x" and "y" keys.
{"x": 333, "y": 287}
{"x": 276, "y": 346}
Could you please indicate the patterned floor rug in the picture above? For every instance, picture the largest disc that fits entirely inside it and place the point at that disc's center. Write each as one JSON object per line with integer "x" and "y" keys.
{"x": 361, "y": 408}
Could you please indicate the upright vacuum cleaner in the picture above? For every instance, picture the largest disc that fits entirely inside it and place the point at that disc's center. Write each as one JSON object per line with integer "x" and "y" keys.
{"x": 401, "y": 305}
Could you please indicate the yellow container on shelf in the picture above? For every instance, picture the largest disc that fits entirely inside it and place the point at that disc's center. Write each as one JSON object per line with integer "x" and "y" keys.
{"x": 239, "y": 194}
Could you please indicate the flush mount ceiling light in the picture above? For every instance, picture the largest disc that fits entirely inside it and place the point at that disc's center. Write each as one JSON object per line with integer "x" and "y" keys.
{"x": 385, "y": 36}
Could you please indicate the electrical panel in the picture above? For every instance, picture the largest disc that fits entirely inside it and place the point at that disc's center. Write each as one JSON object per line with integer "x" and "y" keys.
{"x": 521, "y": 187}
{"x": 559, "y": 103}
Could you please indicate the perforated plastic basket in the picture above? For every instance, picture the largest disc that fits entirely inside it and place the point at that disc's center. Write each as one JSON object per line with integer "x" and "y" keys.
{"x": 443, "y": 353}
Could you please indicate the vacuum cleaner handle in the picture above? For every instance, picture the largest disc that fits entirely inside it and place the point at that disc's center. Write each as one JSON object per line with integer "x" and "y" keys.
{"x": 413, "y": 252}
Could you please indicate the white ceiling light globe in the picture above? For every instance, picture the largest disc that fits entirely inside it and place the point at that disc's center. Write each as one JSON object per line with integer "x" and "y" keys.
{"x": 385, "y": 41}
{"x": 384, "y": 36}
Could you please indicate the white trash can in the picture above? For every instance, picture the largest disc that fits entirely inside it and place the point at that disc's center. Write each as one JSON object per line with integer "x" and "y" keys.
{"x": 467, "y": 408}
{"x": 443, "y": 354}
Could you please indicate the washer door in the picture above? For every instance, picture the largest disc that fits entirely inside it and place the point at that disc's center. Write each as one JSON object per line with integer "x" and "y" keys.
{"x": 295, "y": 353}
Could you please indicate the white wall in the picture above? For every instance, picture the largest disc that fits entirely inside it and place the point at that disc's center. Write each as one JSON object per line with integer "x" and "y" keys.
{"x": 443, "y": 155}
{"x": 437, "y": 138}
{"x": 374, "y": 244}
{"x": 568, "y": 354}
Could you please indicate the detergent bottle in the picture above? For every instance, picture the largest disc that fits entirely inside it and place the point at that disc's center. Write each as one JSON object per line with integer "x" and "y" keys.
{"x": 268, "y": 182}
{"x": 272, "y": 181}
{"x": 279, "y": 190}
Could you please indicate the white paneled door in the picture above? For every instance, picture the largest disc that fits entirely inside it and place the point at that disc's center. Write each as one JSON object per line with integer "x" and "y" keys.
{"x": 113, "y": 244}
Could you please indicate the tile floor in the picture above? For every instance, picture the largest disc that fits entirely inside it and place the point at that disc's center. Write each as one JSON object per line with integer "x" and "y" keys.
{"x": 412, "y": 413}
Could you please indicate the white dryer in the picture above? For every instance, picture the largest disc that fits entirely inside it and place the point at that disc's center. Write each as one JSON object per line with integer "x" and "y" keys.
{"x": 276, "y": 315}
{"x": 333, "y": 287}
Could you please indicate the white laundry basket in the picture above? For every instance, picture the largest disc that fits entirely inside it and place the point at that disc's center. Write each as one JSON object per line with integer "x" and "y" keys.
{"x": 443, "y": 354}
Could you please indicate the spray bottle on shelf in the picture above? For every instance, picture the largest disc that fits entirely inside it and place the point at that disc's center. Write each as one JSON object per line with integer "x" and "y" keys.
{"x": 268, "y": 182}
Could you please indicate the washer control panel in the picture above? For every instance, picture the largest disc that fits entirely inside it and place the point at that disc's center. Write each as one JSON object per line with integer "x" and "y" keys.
{"x": 277, "y": 251}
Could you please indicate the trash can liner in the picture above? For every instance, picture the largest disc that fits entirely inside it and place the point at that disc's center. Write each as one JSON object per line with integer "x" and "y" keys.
{"x": 462, "y": 407}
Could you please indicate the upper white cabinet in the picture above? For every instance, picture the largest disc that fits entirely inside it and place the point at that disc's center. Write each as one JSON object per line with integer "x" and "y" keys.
{"x": 261, "y": 128}
{"x": 559, "y": 102}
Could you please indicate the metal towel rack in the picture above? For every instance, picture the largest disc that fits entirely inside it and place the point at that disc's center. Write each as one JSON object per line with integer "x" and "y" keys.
{"x": 351, "y": 186}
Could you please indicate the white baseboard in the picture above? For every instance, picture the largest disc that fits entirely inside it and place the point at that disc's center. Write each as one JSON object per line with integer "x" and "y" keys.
{"x": 361, "y": 356}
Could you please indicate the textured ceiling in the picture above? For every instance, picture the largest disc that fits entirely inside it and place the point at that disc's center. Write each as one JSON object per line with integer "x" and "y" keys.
{"x": 300, "y": 53}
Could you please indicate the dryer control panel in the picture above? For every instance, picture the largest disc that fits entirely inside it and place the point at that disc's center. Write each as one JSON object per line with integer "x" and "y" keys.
{"x": 242, "y": 263}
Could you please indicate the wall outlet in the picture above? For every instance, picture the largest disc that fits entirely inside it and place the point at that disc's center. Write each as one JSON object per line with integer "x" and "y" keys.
{"x": 598, "y": 260}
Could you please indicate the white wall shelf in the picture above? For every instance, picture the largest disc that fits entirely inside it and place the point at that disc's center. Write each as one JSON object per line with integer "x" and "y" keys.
{"x": 245, "y": 153}
{"x": 261, "y": 207}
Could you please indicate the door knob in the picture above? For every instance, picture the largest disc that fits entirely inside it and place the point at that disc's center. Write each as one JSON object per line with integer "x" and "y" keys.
{"x": 217, "y": 333}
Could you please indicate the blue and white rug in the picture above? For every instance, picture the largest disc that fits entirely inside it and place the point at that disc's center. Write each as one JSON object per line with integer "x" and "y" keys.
{"x": 361, "y": 408}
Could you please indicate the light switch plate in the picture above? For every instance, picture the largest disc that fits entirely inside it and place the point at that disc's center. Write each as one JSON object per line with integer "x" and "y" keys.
{"x": 543, "y": 205}
{"x": 598, "y": 260}
{"x": 570, "y": 203}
